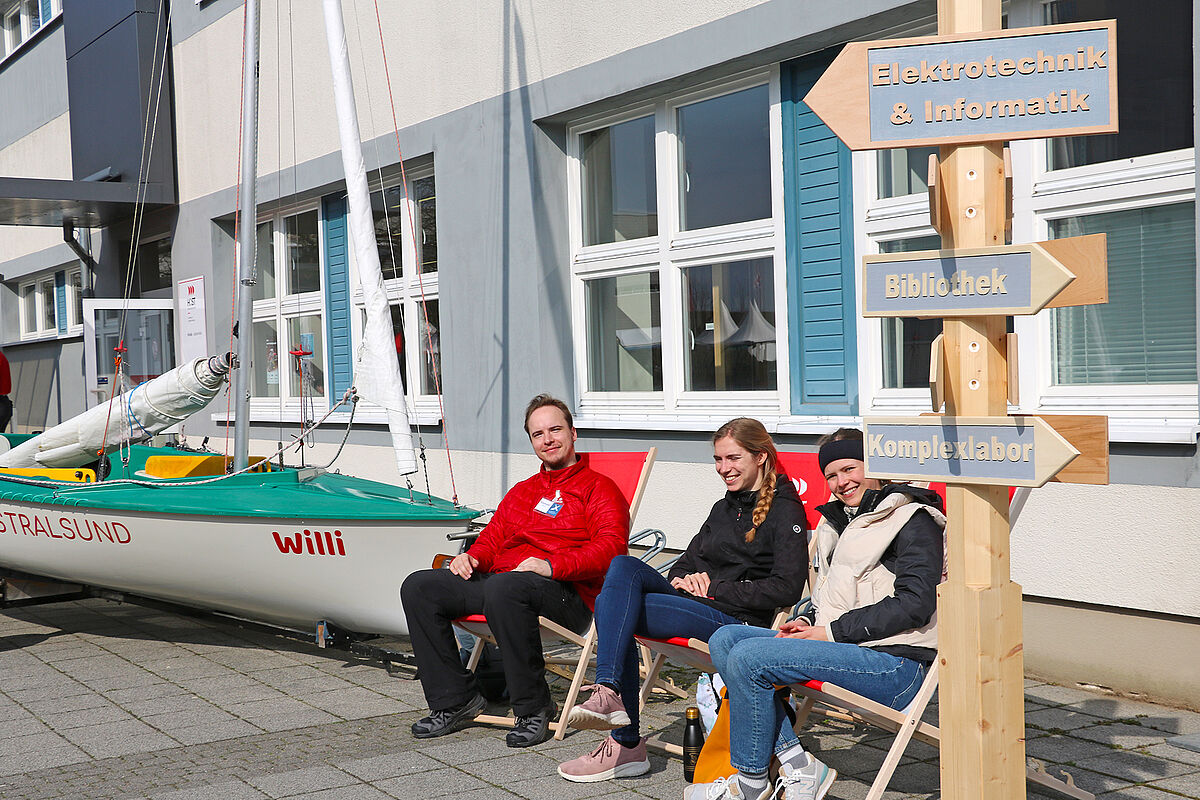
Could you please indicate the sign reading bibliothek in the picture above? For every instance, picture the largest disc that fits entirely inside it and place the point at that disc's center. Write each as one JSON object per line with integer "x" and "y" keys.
{"x": 1003, "y": 451}
{"x": 1007, "y": 279}
{"x": 1024, "y": 83}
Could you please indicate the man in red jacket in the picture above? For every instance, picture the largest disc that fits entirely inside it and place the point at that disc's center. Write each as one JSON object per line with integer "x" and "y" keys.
{"x": 544, "y": 553}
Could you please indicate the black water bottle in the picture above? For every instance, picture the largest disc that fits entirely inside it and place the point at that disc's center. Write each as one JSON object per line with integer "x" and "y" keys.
{"x": 693, "y": 740}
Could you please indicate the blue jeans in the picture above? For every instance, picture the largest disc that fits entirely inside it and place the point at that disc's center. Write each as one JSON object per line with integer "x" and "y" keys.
{"x": 636, "y": 598}
{"x": 753, "y": 662}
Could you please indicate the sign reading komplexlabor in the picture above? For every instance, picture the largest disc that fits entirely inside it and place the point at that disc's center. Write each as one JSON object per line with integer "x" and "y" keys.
{"x": 1005, "y": 451}
{"x": 1008, "y": 279}
{"x": 1025, "y": 83}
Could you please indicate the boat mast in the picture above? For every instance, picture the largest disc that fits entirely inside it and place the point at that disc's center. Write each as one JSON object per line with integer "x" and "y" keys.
{"x": 246, "y": 239}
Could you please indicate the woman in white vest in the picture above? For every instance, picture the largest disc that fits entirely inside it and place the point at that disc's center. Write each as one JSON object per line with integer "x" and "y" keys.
{"x": 873, "y": 630}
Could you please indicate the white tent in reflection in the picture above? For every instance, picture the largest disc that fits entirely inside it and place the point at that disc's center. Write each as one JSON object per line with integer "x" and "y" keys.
{"x": 755, "y": 333}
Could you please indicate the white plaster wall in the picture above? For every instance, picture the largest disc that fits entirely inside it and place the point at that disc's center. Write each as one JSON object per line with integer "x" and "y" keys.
{"x": 44, "y": 153}
{"x": 1120, "y": 545}
{"x": 1127, "y": 547}
{"x": 442, "y": 56}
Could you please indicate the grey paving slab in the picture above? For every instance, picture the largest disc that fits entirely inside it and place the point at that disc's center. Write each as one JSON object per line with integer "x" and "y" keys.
{"x": 300, "y": 781}
{"x": 226, "y": 790}
{"x": 391, "y": 765}
{"x": 432, "y": 783}
{"x": 360, "y": 792}
{"x": 1135, "y": 767}
{"x": 1059, "y": 719}
{"x": 1121, "y": 734}
{"x": 1172, "y": 753}
{"x": 1187, "y": 785}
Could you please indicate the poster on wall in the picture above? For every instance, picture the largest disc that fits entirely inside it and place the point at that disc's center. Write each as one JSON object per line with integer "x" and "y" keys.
{"x": 193, "y": 330}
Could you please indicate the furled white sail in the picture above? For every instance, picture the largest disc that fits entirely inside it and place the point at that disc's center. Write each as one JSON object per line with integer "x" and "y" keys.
{"x": 377, "y": 370}
{"x": 132, "y": 417}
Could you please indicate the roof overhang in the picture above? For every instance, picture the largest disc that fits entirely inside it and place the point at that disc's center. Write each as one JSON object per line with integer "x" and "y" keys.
{"x": 87, "y": 204}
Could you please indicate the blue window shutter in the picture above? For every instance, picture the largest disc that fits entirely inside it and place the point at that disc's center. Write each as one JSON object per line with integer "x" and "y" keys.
{"x": 46, "y": 11}
{"x": 60, "y": 301}
{"x": 337, "y": 296}
{"x": 819, "y": 225}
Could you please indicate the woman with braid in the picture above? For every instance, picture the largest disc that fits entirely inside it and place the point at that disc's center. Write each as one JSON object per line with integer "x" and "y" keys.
{"x": 749, "y": 559}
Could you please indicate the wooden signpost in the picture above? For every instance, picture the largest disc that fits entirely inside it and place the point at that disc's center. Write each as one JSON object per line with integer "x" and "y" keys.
{"x": 969, "y": 89}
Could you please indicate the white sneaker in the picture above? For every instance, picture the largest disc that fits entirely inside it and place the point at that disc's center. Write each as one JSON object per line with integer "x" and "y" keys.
{"x": 723, "y": 789}
{"x": 809, "y": 782}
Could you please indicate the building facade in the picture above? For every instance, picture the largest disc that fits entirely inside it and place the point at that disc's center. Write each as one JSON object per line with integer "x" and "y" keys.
{"x": 625, "y": 204}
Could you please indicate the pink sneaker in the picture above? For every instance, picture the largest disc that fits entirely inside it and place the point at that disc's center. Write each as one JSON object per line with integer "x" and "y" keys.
{"x": 603, "y": 711}
{"x": 609, "y": 760}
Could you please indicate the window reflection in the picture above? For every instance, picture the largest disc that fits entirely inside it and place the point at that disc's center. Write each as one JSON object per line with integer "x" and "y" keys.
{"x": 730, "y": 317}
{"x": 624, "y": 334}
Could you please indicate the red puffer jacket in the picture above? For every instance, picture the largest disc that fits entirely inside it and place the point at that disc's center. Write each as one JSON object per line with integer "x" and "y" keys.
{"x": 589, "y": 530}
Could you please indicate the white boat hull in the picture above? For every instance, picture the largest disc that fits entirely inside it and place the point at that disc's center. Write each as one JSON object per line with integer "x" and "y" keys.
{"x": 282, "y": 571}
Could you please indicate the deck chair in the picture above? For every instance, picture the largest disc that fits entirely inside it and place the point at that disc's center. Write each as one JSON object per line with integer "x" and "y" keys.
{"x": 629, "y": 471}
{"x": 906, "y": 723}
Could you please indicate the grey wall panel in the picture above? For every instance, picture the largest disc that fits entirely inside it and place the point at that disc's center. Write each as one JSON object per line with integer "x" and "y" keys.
{"x": 35, "y": 85}
{"x": 47, "y": 382}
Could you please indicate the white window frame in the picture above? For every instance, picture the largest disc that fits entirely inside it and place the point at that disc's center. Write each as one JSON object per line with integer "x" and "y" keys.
{"x": 33, "y": 329}
{"x": 285, "y": 306}
{"x": 407, "y": 292}
{"x": 74, "y": 299}
{"x": 1137, "y": 412}
{"x": 668, "y": 253}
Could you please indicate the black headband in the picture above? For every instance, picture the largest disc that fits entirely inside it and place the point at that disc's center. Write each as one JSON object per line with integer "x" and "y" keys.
{"x": 842, "y": 448}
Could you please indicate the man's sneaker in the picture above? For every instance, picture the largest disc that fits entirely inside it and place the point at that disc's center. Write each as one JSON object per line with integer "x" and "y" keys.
{"x": 809, "y": 782}
{"x": 603, "y": 711}
{"x": 532, "y": 729}
{"x": 724, "y": 789}
{"x": 439, "y": 723}
{"x": 610, "y": 760}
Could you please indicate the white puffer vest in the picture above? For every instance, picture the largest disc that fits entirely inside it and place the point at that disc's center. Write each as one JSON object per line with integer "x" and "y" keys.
{"x": 849, "y": 574}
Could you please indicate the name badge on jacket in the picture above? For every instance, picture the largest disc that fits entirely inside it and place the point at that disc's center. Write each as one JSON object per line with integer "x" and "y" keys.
{"x": 550, "y": 506}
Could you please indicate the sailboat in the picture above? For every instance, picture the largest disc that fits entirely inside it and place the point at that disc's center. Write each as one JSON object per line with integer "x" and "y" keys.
{"x": 297, "y": 547}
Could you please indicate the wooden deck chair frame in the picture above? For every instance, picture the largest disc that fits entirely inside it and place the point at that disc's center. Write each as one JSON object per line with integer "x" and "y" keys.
{"x": 907, "y": 725}
{"x": 573, "y": 669}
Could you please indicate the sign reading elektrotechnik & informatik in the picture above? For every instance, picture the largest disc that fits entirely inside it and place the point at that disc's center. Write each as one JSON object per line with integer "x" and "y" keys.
{"x": 1020, "y": 84}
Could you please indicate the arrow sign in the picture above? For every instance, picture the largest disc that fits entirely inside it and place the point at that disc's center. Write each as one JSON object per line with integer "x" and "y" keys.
{"x": 971, "y": 282}
{"x": 999, "y": 451}
{"x": 1024, "y": 83}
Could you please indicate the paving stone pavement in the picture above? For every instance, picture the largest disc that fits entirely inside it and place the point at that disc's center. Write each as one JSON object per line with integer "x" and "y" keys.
{"x": 106, "y": 700}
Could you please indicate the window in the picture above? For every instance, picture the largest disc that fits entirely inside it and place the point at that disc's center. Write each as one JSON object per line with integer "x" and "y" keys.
{"x": 74, "y": 300}
{"x": 151, "y": 267}
{"x": 619, "y": 194}
{"x": 1154, "y": 82}
{"x": 408, "y": 257}
{"x": 147, "y": 329}
{"x": 20, "y": 20}
{"x": 903, "y": 172}
{"x": 38, "y": 308}
{"x": 1146, "y": 332}
{"x": 676, "y": 257}
{"x": 289, "y": 331}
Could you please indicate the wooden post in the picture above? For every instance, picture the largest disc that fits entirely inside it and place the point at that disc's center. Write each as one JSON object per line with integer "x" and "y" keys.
{"x": 979, "y": 608}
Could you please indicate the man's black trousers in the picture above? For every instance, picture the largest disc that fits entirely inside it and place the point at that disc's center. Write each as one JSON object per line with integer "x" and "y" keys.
{"x": 512, "y": 603}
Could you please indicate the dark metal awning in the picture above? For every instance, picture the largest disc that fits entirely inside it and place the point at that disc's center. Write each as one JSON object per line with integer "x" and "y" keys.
{"x": 87, "y": 204}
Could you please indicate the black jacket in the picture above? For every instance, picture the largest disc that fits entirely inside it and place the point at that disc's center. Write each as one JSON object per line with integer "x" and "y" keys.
{"x": 750, "y": 581}
{"x": 915, "y": 557}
